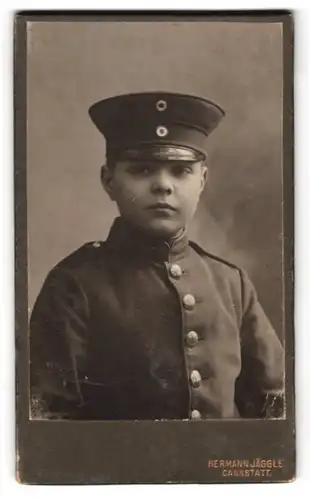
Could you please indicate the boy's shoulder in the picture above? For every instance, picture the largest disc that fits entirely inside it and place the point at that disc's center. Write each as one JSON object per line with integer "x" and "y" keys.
{"x": 87, "y": 253}
{"x": 214, "y": 260}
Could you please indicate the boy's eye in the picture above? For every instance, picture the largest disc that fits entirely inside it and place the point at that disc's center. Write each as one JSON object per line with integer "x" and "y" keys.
{"x": 140, "y": 169}
{"x": 180, "y": 169}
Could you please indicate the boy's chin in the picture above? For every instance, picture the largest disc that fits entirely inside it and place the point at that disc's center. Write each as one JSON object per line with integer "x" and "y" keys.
{"x": 163, "y": 229}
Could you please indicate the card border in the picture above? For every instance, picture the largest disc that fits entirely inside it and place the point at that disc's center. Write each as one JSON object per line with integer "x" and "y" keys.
{"x": 174, "y": 449}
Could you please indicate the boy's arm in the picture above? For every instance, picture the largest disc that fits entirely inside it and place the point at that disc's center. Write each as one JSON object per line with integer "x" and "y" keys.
{"x": 260, "y": 387}
{"x": 57, "y": 332}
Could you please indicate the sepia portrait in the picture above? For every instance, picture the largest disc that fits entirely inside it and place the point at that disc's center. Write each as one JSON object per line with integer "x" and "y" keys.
{"x": 155, "y": 220}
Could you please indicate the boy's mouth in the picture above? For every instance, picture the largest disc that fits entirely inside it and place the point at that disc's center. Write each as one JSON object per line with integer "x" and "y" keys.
{"x": 161, "y": 206}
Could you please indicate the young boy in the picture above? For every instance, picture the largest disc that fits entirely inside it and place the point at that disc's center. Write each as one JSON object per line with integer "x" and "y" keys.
{"x": 148, "y": 325}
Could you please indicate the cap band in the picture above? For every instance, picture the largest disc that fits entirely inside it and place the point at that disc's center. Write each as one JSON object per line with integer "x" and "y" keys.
{"x": 160, "y": 152}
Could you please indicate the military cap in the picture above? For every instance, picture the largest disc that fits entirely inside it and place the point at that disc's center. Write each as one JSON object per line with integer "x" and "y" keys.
{"x": 156, "y": 125}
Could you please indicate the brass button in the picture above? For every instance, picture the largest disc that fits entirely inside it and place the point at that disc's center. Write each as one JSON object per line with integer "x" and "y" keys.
{"x": 175, "y": 271}
{"x": 195, "y": 415}
{"x": 192, "y": 338}
{"x": 195, "y": 378}
{"x": 189, "y": 301}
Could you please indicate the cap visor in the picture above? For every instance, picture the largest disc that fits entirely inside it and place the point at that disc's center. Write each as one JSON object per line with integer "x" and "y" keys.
{"x": 162, "y": 152}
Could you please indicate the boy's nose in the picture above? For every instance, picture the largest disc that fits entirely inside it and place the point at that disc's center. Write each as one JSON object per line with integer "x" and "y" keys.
{"x": 161, "y": 183}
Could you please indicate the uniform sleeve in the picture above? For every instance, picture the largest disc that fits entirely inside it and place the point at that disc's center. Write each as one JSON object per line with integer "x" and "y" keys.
{"x": 260, "y": 387}
{"x": 57, "y": 335}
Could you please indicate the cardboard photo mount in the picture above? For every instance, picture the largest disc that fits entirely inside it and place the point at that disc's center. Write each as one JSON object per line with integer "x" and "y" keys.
{"x": 123, "y": 452}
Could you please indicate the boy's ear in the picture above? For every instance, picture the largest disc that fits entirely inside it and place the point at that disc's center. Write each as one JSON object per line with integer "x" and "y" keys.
{"x": 106, "y": 176}
{"x": 204, "y": 176}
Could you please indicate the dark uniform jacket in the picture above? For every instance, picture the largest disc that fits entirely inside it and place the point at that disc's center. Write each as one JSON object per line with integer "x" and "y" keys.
{"x": 130, "y": 329}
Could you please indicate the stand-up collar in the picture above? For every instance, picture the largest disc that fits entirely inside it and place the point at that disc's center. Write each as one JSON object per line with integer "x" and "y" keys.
{"x": 131, "y": 240}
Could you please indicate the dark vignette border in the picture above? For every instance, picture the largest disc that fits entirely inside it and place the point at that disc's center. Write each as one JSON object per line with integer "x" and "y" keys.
{"x": 145, "y": 452}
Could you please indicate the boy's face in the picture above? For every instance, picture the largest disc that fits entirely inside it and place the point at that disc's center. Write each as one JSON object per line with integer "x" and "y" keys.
{"x": 158, "y": 196}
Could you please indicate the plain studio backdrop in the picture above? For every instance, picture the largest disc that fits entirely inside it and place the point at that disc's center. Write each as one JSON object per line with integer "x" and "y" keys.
{"x": 70, "y": 65}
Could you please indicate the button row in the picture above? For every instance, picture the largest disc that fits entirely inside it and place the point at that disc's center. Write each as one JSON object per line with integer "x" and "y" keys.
{"x": 189, "y": 303}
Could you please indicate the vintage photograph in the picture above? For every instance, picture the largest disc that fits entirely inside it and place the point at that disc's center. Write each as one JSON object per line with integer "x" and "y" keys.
{"x": 155, "y": 220}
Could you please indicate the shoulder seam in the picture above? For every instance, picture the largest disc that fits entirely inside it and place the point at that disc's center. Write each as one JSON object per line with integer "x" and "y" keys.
{"x": 201, "y": 250}
{"x": 88, "y": 250}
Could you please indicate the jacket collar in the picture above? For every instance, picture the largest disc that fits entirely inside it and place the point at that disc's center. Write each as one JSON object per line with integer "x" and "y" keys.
{"x": 130, "y": 240}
